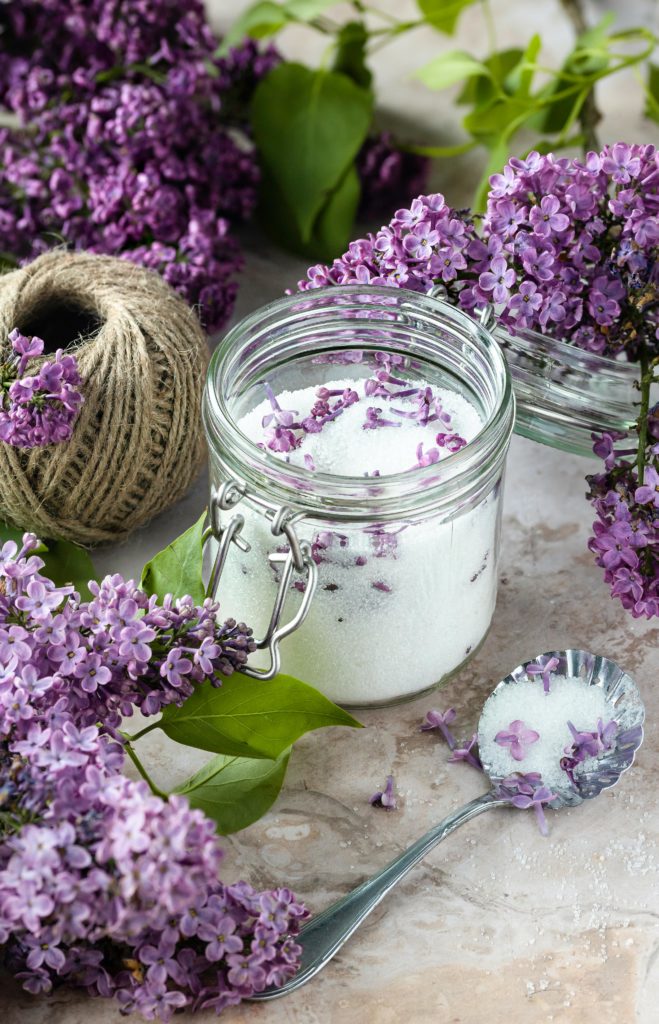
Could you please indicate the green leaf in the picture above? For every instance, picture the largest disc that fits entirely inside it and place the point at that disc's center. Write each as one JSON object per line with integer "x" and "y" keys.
{"x": 177, "y": 569}
{"x": 331, "y": 232}
{"x": 589, "y": 58}
{"x": 518, "y": 81}
{"x": 308, "y": 126}
{"x": 251, "y": 717}
{"x": 500, "y": 119}
{"x": 443, "y": 14}
{"x": 306, "y": 10}
{"x": 350, "y": 56}
{"x": 67, "y": 563}
{"x": 482, "y": 89}
{"x": 450, "y": 68}
{"x": 332, "y": 228}
{"x": 262, "y": 19}
{"x": 236, "y": 791}
{"x": 499, "y": 151}
{"x": 652, "y": 92}
{"x": 442, "y": 151}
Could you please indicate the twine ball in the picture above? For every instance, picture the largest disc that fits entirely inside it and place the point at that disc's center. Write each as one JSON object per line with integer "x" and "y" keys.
{"x": 138, "y": 441}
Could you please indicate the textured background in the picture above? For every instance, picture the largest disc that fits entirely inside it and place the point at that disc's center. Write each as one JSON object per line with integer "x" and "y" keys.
{"x": 498, "y": 926}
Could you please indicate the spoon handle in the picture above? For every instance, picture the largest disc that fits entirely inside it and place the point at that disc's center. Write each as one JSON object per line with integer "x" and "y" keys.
{"x": 326, "y": 932}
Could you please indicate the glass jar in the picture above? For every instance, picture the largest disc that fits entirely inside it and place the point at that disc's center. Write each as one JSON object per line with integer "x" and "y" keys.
{"x": 395, "y": 577}
{"x": 564, "y": 393}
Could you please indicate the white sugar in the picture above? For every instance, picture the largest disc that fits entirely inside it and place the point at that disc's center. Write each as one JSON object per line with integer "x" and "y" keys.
{"x": 344, "y": 448}
{"x": 398, "y": 607}
{"x": 569, "y": 700}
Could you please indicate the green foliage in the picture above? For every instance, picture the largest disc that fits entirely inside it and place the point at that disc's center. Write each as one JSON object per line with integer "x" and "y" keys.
{"x": 64, "y": 563}
{"x": 350, "y": 58}
{"x": 502, "y": 100}
{"x": 308, "y": 127}
{"x": 236, "y": 791}
{"x": 652, "y": 93}
{"x": 177, "y": 569}
{"x": 251, "y": 717}
{"x": 266, "y": 18}
{"x": 452, "y": 67}
{"x": 443, "y": 14}
{"x": 310, "y": 124}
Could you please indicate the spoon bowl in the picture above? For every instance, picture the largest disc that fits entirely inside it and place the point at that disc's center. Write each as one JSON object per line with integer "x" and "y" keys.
{"x": 626, "y": 707}
{"x": 326, "y": 933}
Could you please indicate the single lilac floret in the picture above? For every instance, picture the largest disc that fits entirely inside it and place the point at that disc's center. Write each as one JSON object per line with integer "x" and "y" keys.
{"x": 518, "y": 737}
{"x": 386, "y": 798}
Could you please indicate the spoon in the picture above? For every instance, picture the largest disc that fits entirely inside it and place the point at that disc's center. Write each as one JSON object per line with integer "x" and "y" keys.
{"x": 326, "y": 933}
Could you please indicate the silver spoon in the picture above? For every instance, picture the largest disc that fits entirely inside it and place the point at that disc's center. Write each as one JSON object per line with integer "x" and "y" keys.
{"x": 326, "y": 933}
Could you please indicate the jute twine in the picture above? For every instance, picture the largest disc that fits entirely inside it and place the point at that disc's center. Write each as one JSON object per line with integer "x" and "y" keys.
{"x": 138, "y": 440}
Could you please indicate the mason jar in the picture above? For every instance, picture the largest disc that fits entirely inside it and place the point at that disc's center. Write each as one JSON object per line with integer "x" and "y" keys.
{"x": 566, "y": 394}
{"x": 371, "y": 589}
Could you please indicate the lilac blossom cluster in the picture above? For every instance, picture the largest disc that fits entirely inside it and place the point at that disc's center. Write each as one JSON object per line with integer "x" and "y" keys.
{"x": 625, "y": 536}
{"x": 119, "y": 651}
{"x": 566, "y": 247}
{"x": 133, "y": 139}
{"x": 571, "y": 248}
{"x": 103, "y": 885}
{"x": 421, "y": 247}
{"x": 37, "y": 409}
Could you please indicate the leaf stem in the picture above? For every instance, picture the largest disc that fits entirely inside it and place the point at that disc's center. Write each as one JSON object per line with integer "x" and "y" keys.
{"x": 143, "y": 772}
{"x": 646, "y": 384}
{"x": 141, "y": 733}
{"x": 589, "y": 115}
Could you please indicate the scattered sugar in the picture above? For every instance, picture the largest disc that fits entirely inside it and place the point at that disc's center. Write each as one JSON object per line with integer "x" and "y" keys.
{"x": 344, "y": 448}
{"x": 569, "y": 699}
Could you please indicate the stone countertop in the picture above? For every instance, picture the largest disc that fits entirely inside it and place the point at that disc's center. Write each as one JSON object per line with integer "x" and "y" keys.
{"x": 498, "y": 925}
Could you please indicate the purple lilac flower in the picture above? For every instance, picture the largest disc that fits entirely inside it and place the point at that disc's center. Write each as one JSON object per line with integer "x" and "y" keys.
{"x": 517, "y": 737}
{"x": 568, "y": 248}
{"x": 385, "y": 798}
{"x": 133, "y": 140}
{"x": 560, "y": 239}
{"x": 468, "y": 752}
{"x": 438, "y": 720}
{"x": 625, "y": 537}
{"x": 530, "y": 795}
{"x": 102, "y": 884}
{"x": 41, "y": 408}
{"x": 543, "y": 667}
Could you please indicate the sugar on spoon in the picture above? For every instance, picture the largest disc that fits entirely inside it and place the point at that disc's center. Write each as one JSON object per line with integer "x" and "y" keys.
{"x": 326, "y": 933}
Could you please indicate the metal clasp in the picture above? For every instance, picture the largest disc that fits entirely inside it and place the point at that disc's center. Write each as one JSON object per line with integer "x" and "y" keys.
{"x": 297, "y": 559}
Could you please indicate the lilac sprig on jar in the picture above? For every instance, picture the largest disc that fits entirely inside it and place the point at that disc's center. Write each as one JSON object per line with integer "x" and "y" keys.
{"x": 39, "y": 408}
{"x": 104, "y": 885}
{"x": 566, "y": 248}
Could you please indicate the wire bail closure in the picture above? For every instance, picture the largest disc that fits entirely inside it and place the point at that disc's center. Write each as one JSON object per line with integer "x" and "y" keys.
{"x": 297, "y": 559}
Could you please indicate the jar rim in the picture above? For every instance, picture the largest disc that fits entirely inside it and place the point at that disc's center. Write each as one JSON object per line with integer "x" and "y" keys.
{"x": 570, "y": 355}
{"x": 353, "y": 496}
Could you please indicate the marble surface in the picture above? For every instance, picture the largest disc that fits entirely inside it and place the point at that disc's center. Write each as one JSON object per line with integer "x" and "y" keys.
{"x": 498, "y": 925}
